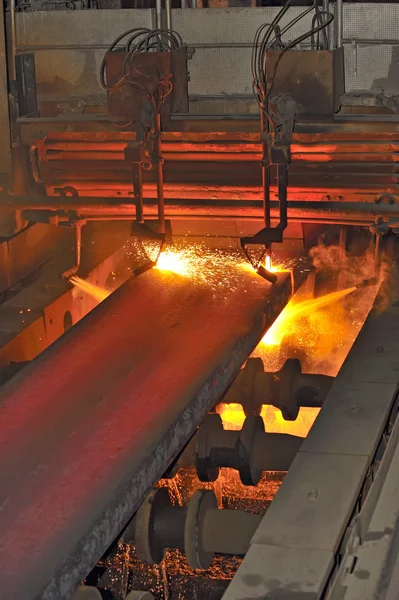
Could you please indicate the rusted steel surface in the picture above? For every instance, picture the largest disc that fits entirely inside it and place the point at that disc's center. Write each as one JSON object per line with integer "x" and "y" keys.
{"x": 93, "y": 422}
{"x": 321, "y": 73}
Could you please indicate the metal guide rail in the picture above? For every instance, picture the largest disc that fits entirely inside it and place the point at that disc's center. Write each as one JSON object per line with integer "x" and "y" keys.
{"x": 326, "y": 526}
{"x": 91, "y": 424}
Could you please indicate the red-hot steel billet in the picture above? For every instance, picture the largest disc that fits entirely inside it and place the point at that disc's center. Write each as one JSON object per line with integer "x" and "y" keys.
{"x": 91, "y": 424}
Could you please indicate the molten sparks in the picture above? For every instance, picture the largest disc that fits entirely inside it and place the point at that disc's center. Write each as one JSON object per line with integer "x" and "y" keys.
{"x": 293, "y": 310}
{"x": 95, "y": 291}
{"x": 223, "y": 271}
{"x": 174, "y": 262}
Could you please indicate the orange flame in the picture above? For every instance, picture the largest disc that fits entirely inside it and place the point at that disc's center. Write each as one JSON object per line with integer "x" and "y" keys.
{"x": 174, "y": 262}
{"x": 293, "y": 310}
{"x": 95, "y": 291}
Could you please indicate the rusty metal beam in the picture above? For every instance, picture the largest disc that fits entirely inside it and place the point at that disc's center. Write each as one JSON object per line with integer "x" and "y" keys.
{"x": 59, "y": 209}
{"x": 89, "y": 426}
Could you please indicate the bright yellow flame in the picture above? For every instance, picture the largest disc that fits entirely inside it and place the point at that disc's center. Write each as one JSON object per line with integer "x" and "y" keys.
{"x": 174, "y": 262}
{"x": 221, "y": 270}
{"x": 233, "y": 417}
{"x": 274, "y": 267}
{"x": 95, "y": 291}
{"x": 293, "y": 310}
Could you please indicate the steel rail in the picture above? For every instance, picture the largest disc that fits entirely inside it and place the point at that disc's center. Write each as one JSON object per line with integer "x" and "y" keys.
{"x": 91, "y": 424}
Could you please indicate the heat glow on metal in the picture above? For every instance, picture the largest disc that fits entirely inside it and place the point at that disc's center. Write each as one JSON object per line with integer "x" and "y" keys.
{"x": 233, "y": 418}
{"x": 318, "y": 331}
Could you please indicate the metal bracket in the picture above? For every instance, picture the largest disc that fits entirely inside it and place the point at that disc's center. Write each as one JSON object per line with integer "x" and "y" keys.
{"x": 276, "y": 151}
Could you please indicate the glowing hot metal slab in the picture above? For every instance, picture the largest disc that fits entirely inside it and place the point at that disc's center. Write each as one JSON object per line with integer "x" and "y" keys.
{"x": 93, "y": 422}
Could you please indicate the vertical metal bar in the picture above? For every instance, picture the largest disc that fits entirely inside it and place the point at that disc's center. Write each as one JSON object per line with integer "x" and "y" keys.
{"x": 137, "y": 176}
{"x": 13, "y": 41}
{"x": 377, "y": 255}
{"x": 168, "y": 7}
{"x": 159, "y": 167}
{"x": 343, "y": 237}
{"x": 193, "y": 3}
{"x": 339, "y": 20}
{"x": 78, "y": 251}
{"x": 282, "y": 176}
{"x": 326, "y": 10}
{"x": 158, "y": 14}
{"x": 183, "y": 4}
{"x": 265, "y": 178}
{"x": 5, "y": 148}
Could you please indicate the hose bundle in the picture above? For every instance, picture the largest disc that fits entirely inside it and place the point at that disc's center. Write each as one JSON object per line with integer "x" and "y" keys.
{"x": 269, "y": 35}
{"x": 141, "y": 78}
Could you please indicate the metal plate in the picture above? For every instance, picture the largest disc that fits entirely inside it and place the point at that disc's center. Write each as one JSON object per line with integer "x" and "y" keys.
{"x": 314, "y": 504}
{"x": 359, "y": 412}
{"x": 260, "y": 576}
{"x": 93, "y": 422}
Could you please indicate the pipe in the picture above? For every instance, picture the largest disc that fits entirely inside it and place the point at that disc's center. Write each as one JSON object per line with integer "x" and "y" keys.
{"x": 13, "y": 41}
{"x": 265, "y": 177}
{"x": 326, "y": 9}
{"x": 339, "y": 21}
{"x": 137, "y": 176}
{"x": 253, "y": 207}
{"x": 78, "y": 251}
{"x": 158, "y": 161}
{"x": 158, "y": 13}
{"x": 168, "y": 10}
{"x": 324, "y": 211}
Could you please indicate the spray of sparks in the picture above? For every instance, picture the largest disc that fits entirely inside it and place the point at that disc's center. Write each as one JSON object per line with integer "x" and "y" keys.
{"x": 293, "y": 311}
{"x": 300, "y": 319}
{"x": 317, "y": 331}
{"x": 95, "y": 291}
{"x": 220, "y": 270}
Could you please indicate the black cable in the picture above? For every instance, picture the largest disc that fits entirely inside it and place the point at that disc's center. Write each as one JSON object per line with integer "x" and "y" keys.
{"x": 141, "y": 39}
{"x": 136, "y": 30}
{"x": 262, "y": 44}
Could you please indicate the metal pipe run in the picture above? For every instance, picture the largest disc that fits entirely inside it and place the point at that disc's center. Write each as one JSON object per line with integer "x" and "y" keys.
{"x": 91, "y": 424}
{"x": 158, "y": 14}
{"x": 313, "y": 211}
{"x": 13, "y": 41}
{"x": 339, "y": 22}
{"x": 116, "y": 205}
{"x": 168, "y": 10}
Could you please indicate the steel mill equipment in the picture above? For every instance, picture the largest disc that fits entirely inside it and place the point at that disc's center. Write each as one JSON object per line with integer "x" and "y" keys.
{"x": 199, "y": 289}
